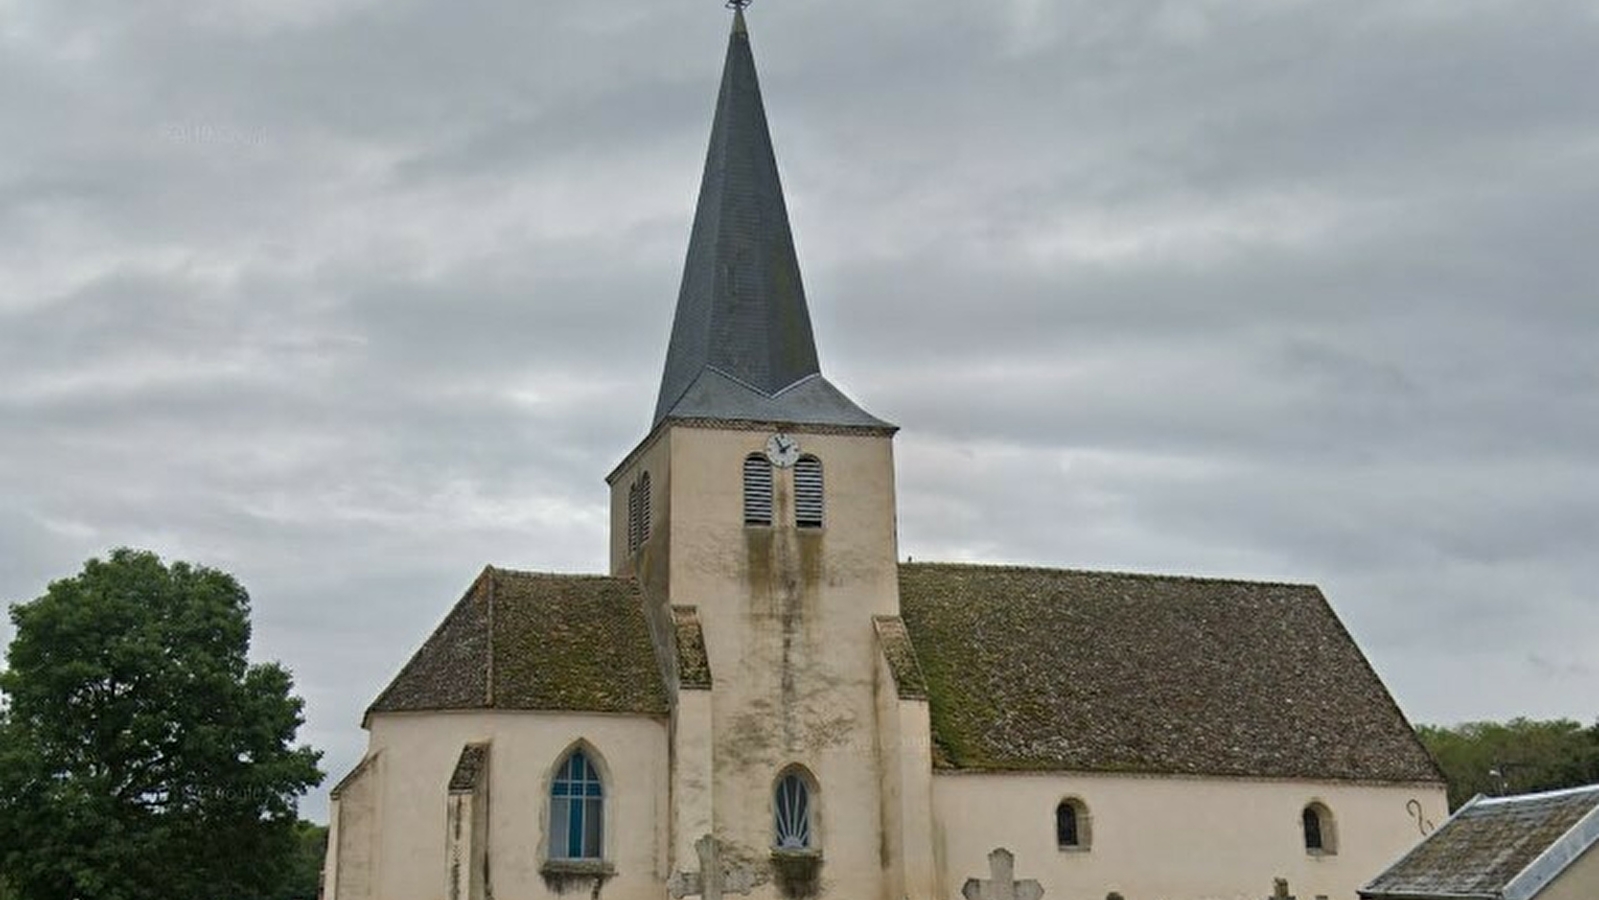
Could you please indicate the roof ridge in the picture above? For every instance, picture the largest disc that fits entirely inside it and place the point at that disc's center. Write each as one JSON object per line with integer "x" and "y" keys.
{"x": 1540, "y": 795}
{"x": 529, "y": 573}
{"x": 1117, "y": 573}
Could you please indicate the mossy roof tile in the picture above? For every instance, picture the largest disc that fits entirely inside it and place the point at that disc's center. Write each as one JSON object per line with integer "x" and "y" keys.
{"x": 1050, "y": 669}
{"x": 533, "y": 641}
{"x": 693, "y": 663}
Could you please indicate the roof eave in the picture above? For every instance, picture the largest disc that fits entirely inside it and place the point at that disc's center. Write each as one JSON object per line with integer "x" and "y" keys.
{"x": 1555, "y": 858}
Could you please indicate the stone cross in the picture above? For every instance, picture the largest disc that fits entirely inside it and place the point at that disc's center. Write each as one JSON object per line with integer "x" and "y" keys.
{"x": 1003, "y": 885}
{"x": 712, "y": 880}
{"x": 1279, "y": 889}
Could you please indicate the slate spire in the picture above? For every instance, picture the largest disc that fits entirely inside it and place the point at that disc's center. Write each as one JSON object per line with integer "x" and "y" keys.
{"x": 741, "y": 345}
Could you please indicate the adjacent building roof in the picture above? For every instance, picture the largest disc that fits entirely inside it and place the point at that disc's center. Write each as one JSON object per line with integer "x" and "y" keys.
{"x": 742, "y": 346}
{"x": 1500, "y": 848}
{"x": 1051, "y": 669}
{"x": 530, "y": 641}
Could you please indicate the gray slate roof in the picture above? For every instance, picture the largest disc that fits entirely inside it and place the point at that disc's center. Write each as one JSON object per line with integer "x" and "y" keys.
{"x": 1502, "y": 847}
{"x": 742, "y": 346}
{"x": 1052, "y": 669}
{"x": 531, "y": 641}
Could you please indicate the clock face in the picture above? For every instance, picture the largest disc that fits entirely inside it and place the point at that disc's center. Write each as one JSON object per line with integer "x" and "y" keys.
{"x": 782, "y": 449}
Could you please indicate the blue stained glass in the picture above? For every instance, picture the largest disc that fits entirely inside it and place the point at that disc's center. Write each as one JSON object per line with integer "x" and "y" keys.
{"x": 577, "y": 810}
{"x": 792, "y": 813}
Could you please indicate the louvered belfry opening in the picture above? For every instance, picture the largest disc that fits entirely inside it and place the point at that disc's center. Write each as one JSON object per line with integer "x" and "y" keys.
{"x": 632, "y": 518}
{"x": 757, "y": 490}
{"x": 808, "y": 492}
{"x": 643, "y": 509}
{"x": 638, "y": 513}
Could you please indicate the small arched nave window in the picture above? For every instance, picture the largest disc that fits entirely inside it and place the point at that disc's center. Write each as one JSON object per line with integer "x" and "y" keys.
{"x": 1071, "y": 824}
{"x": 808, "y": 492}
{"x": 757, "y": 490}
{"x": 1321, "y": 836}
{"x": 577, "y": 809}
{"x": 791, "y": 811}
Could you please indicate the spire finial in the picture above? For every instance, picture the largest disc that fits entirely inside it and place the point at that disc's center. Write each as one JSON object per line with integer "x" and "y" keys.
{"x": 738, "y": 4}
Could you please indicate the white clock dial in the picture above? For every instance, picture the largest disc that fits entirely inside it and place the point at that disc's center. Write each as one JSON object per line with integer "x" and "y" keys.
{"x": 782, "y": 449}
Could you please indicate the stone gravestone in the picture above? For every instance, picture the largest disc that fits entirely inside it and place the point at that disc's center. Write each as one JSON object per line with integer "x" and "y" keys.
{"x": 713, "y": 879}
{"x": 1279, "y": 889}
{"x": 1003, "y": 884}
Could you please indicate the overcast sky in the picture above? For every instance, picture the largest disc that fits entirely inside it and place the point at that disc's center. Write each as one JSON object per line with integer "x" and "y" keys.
{"x": 351, "y": 298}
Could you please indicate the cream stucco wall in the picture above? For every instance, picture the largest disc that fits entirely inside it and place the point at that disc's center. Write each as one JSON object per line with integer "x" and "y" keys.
{"x": 651, "y": 456}
{"x": 787, "y": 617}
{"x": 1175, "y": 838}
{"x": 419, "y": 752}
{"x": 905, "y": 751}
{"x": 350, "y": 869}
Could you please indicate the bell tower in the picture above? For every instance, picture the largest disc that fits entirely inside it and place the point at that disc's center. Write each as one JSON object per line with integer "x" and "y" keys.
{"x": 758, "y": 516}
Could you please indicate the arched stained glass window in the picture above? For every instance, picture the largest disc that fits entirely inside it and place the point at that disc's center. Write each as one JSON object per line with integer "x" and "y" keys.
{"x": 792, "y": 809}
{"x": 577, "y": 810}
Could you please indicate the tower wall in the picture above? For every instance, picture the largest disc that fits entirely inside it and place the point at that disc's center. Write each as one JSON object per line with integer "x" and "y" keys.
{"x": 787, "y": 618}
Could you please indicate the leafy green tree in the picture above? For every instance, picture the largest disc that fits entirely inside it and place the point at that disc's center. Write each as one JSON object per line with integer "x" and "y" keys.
{"x": 1515, "y": 757}
{"x": 142, "y": 756}
{"x": 305, "y": 877}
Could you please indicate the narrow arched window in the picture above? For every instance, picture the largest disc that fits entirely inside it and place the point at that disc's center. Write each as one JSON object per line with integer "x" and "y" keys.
{"x": 1071, "y": 825}
{"x": 632, "y": 518}
{"x": 792, "y": 810}
{"x": 808, "y": 492}
{"x": 643, "y": 508}
{"x": 1320, "y": 833}
{"x": 757, "y": 490}
{"x": 577, "y": 810}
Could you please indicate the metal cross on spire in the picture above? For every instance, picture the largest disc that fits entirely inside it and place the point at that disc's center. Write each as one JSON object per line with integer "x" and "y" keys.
{"x": 738, "y": 4}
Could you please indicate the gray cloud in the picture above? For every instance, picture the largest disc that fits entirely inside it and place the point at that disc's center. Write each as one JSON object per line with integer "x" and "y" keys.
{"x": 353, "y": 298}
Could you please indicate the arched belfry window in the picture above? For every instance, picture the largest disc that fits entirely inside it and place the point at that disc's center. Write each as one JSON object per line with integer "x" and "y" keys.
{"x": 808, "y": 492}
{"x": 632, "y": 517}
{"x": 791, "y": 810}
{"x": 1071, "y": 824}
{"x": 638, "y": 513}
{"x": 1321, "y": 836}
{"x": 643, "y": 509}
{"x": 757, "y": 490}
{"x": 577, "y": 809}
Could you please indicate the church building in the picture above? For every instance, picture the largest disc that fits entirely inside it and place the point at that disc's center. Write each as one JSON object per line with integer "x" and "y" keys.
{"x": 760, "y": 699}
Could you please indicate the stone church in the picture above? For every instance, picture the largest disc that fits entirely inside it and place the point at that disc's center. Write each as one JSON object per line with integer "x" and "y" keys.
{"x": 761, "y": 700}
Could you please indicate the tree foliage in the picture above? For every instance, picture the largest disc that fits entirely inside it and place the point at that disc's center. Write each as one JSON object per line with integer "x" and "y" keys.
{"x": 305, "y": 875}
{"x": 141, "y": 754}
{"x": 1516, "y": 757}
